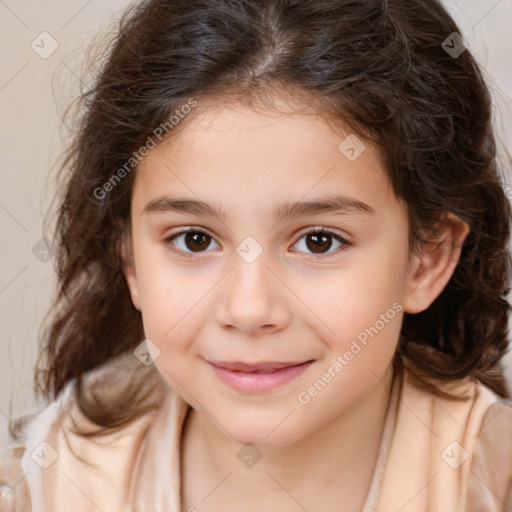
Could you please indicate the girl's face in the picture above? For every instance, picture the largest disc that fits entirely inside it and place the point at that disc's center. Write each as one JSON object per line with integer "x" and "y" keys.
{"x": 252, "y": 284}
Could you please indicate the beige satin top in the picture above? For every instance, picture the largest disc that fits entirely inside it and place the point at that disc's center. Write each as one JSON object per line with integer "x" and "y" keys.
{"x": 435, "y": 456}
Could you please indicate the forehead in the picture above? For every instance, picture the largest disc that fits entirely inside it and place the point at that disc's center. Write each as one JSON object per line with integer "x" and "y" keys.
{"x": 236, "y": 153}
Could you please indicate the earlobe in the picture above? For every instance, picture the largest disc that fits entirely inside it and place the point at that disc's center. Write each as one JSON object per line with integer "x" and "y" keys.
{"x": 433, "y": 267}
{"x": 128, "y": 266}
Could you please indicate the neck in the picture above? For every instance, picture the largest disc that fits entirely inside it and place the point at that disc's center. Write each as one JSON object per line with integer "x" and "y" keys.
{"x": 342, "y": 451}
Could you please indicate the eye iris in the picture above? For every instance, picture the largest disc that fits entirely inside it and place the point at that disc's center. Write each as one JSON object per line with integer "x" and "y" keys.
{"x": 319, "y": 240}
{"x": 197, "y": 238}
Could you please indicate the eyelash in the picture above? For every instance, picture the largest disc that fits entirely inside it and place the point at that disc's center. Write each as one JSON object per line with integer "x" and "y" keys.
{"x": 345, "y": 243}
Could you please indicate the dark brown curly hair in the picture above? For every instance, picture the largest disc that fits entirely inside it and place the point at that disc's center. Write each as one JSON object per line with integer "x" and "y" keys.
{"x": 378, "y": 66}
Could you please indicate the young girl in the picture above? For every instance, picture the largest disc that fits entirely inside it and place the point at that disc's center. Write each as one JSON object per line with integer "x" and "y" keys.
{"x": 282, "y": 271}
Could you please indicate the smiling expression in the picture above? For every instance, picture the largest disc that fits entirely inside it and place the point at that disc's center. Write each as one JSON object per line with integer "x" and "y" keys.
{"x": 292, "y": 251}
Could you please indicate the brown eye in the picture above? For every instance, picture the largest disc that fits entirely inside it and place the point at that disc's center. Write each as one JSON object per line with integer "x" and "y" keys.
{"x": 196, "y": 241}
{"x": 320, "y": 241}
{"x": 190, "y": 241}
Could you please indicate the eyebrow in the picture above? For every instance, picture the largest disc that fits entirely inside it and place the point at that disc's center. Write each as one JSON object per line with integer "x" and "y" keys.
{"x": 333, "y": 204}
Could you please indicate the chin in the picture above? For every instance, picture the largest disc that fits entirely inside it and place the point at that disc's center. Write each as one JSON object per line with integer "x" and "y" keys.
{"x": 261, "y": 440}
{"x": 265, "y": 433}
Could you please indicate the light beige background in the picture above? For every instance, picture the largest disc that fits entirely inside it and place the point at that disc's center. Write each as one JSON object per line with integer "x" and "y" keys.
{"x": 33, "y": 93}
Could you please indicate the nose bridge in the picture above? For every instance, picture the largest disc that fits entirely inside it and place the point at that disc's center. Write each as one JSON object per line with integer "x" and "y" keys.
{"x": 250, "y": 273}
{"x": 254, "y": 297}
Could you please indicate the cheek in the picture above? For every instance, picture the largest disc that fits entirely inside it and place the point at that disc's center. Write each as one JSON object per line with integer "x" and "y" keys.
{"x": 365, "y": 321}
{"x": 353, "y": 299}
{"x": 173, "y": 305}
{"x": 358, "y": 313}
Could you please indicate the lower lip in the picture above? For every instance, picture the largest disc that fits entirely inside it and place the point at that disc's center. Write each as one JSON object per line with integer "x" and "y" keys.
{"x": 259, "y": 382}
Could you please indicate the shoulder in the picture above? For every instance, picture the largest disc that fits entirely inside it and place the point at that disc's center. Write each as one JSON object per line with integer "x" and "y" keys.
{"x": 490, "y": 481}
{"x": 481, "y": 423}
{"x": 54, "y": 466}
{"x": 14, "y": 489}
{"x": 17, "y": 489}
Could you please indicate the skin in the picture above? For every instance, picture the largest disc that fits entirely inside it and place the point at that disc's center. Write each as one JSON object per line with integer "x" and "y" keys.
{"x": 287, "y": 305}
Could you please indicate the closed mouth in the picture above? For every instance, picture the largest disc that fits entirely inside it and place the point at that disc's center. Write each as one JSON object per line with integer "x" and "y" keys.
{"x": 261, "y": 367}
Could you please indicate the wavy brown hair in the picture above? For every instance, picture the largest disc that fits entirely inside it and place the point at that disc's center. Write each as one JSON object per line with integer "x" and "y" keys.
{"x": 377, "y": 66}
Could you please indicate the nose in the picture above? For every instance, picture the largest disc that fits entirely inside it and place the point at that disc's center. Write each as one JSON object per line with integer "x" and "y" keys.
{"x": 253, "y": 298}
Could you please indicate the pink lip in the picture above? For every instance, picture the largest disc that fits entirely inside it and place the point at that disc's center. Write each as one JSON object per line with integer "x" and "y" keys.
{"x": 258, "y": 377}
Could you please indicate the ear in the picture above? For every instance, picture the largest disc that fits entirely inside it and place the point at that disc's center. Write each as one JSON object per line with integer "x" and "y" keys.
{"x": 432, "y": 268}
{"x": 128, "y": 267}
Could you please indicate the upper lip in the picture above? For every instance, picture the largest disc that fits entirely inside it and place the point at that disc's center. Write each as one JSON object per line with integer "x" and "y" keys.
{"x": 251, "y": 367}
